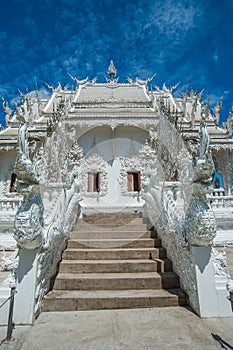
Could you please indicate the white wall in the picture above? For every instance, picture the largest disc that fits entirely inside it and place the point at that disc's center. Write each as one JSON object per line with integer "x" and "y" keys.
{"x": 113, "y": 146}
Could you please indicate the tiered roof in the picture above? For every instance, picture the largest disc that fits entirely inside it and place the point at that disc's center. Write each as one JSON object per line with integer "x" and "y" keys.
{"x": 127, "y": 103}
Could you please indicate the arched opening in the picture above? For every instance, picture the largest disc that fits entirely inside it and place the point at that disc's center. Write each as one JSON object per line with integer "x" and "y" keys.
{"x": 217, "y": 180}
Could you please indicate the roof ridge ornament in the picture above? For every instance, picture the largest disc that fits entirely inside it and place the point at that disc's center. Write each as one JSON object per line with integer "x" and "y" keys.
{"x": 112, "y": 70}
{"x": 112, "y": 81}
{"x": 216, "y": 110}
{"x": 145, "y": 82}
{"x": 77, "y": 81}
{"x": 170, "y": 90}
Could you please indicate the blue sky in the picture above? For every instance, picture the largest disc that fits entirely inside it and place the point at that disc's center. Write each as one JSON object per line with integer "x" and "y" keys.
{"x": 180, "y": 40}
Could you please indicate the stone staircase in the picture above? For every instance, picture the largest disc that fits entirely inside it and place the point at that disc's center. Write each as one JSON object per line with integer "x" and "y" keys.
{"x": 112, "y": 261}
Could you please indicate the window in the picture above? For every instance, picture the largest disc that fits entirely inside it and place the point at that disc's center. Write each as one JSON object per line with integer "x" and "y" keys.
{"x": 13, "y": 183}
{"x": 94, "y": 182}
{"x": 134, "y": 181}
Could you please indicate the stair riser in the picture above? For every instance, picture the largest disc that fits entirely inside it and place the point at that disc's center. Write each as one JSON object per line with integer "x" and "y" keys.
{"x": 117, "y": 219}
{"x": 115, "y": 284}
{"x": 123, "y": 254}
{"x": 114, "y": 244}
{"x": 114, "y": 267}
{"x": 102, "y": 227}
{"x": 114, "y": 303}
{"x": 111, "y": 235}
{"x": 113, "y": 216}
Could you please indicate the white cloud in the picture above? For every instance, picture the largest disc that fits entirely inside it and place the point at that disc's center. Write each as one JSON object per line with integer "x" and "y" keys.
{"x": 171, "y": 17}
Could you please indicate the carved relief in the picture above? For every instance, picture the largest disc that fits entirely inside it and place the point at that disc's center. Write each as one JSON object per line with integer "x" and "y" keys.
{"x": 93, "y": 163}
{"x": 168, "y": 146}
{"x": 200, "y": 225}
{"x": 49, "y": 257}
{"x": 179, "y": 210}
{"x": 219, "y": 261}
{"x": 10, "y": 262}
{"x": 163, "y": 212}
{"x": 75, "y": 154}
{"x": 62, "y": 216}
{"x": 144, "y": 162}
{"x": 29, "y": 221}
{"x": 56, "y": 155}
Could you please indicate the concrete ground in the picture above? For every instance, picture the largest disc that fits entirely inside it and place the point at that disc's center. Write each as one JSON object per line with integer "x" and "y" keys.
{"x": 138, "y": 329}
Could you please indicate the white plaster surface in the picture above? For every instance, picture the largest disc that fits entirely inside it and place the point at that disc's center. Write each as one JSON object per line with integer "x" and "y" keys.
{"x": 212, "y": 296}
{"x": 26, "y": 284}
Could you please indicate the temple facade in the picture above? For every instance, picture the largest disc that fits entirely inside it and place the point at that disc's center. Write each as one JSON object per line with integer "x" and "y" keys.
{"x": 116, "y": 148}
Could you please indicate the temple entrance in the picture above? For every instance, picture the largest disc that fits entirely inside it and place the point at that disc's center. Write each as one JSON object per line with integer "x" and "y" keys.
{"x": 110, "y": 174}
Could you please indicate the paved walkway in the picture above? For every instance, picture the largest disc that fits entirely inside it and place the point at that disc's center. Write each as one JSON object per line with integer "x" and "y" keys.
{"x": 139, "y": 329}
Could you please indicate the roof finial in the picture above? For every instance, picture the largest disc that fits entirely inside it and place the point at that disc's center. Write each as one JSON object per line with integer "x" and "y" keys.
{"x": 112, "y": 70}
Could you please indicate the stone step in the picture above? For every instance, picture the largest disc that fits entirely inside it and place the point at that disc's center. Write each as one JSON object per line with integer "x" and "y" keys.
{"x": 114, "y": 254}
{"x": 112, "y": 234}
{"x": 114, "y": 219}
{"x": 111, "y": 266}
{"x": 117, "y": 299}
{"x": 119, "y": 214}
{"x": 110, "y": 224}
{"x": 114, "y": 243}
{"x": 84, "y": 226}
{"x": 114, "y": 261}
{"x": 112, "y": 281}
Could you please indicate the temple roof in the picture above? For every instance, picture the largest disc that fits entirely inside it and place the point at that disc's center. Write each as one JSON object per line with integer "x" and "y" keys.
{"x": 113, "y": 103}
{"x": 104, "y": 93}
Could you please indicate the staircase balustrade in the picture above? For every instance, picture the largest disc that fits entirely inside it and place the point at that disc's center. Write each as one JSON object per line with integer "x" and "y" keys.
{"x": 10, "y": 203}
{"x": 42, "y": 260}
{"x": 218, "y": 199}
{"x": 192, "y": 259}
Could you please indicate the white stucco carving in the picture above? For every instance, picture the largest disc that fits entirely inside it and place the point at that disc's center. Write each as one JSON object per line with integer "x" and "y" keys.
{"x": 93, "y": 163}
{"x": 144, "y": 162}
{"x": 48, "y": 259}
{"x": 220, "y": 261}
{"x": 180, "y": 210}
{"x": 29, "y": 221}
{"x": 200, "y": 225}
{"x": 10, "y": 262}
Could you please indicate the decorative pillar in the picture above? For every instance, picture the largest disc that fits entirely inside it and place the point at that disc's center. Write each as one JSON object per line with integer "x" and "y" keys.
{"x": 26, "y": 286}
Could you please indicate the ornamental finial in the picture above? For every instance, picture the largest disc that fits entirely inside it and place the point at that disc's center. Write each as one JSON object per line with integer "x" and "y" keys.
{"x": 112, "y": 70}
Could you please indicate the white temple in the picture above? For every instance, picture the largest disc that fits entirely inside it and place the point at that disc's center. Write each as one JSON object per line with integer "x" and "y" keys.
{"x": 116, "y": 148}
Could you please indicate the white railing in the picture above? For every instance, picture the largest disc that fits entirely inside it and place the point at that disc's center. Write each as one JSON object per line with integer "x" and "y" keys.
{"x": 56, "y": 227}
{"x": 62, "y": 203}
{"x": 10, "y": 203}
{"x": 219, "y": 200}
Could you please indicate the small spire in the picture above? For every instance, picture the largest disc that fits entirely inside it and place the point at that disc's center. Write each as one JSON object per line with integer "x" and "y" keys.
{"x": 112, "y": 70}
